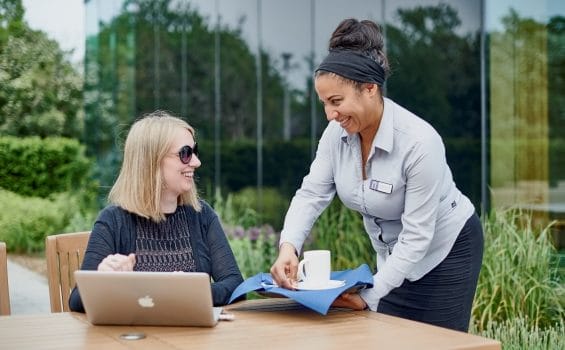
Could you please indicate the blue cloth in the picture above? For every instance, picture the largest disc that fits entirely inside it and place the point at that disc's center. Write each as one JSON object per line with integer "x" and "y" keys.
{"x": 317, "y": 300}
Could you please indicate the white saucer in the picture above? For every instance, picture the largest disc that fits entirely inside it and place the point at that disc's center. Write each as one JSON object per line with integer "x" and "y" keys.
{"x": 330, "y": 285}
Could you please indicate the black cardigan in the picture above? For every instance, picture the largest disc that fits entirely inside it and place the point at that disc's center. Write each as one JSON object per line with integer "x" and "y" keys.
{"x": 114, "y": 232}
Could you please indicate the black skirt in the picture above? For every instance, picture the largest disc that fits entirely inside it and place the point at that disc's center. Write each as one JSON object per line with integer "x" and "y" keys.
{"x": 444, "y": 296}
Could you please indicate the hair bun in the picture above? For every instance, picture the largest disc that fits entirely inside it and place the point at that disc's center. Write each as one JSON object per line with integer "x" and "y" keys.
{"x": 355, "y": 35}
{"x": 363, "y": 36}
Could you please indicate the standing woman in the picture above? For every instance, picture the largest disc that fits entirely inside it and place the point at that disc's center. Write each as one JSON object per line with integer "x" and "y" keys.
{"x": 156, "y": 222}
{"x": 389, "y": 165}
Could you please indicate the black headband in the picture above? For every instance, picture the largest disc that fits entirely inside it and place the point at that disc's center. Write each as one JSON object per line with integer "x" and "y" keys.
{"x": 353, "y": 65}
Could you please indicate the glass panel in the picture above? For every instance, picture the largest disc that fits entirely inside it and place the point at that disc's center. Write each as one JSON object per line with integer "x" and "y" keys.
{"x": 286, "y": 82}
{"x": 526, "y": 106}
{"x": 232, "y": 129}
{"x": 108, "y": 90}
{"x": 327, "y": 15}
{"x": 434, "y": 53}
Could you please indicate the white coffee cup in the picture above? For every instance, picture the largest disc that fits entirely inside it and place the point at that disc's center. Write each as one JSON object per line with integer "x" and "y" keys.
{"x": 315, "y": 268}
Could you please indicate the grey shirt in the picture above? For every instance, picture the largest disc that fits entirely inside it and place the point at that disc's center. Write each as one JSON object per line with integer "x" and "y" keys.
{"x": 411, "y": 208}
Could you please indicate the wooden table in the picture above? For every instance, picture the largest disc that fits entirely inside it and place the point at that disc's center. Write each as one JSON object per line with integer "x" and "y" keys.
{"x": 259, "y": 324}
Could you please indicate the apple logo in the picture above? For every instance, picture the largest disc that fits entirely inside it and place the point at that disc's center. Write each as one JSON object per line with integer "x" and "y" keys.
{"x": 145, "y": 301}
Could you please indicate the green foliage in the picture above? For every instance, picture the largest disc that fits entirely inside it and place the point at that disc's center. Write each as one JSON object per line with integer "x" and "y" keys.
{"x": 26, "y": 221}
{"x": 40, "y": 91}
{"x": 519, "y": 333}
{"x": 81, "y": 220}
{"x": 11, "y": 19}
{"x": 232, "y": 216}
{"x": 39, "y": 167}
{"x": 519, "y": 276}
{"x": 243, "y": 208}
{"x": 255, "y": 250}
{"x": 341, "y": 230}
{"x": 270, "y": 207}
{"x": 426, "y": 36}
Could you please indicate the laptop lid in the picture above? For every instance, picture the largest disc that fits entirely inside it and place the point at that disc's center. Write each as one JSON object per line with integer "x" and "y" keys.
{"x": 147, "y": 298}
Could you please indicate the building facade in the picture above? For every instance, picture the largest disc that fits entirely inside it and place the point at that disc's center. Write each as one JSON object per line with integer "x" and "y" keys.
{"x": 488, "y": 75}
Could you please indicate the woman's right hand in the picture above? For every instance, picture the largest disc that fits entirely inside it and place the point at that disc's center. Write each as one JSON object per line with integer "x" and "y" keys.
{"x": 285, "y": 267}
{"x": 117, "y": 262}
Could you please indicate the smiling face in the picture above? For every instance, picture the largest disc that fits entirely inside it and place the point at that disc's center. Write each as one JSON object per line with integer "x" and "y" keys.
{"x": 178, "y": 177}
{"x": 355, "y": 110}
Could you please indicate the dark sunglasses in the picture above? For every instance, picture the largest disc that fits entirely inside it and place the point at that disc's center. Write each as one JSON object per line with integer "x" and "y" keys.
{"x": 186, "y": 152}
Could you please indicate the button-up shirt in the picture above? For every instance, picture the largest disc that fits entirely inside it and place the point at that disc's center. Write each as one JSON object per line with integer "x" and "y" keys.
{"x": 411, "y": 208}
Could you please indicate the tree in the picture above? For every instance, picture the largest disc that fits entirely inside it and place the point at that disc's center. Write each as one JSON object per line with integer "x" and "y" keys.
{"x": 40, "y": 91}
{"x": 161, "y": 55}
{"x": 436, "y": 72}
{"x": 11, "y": 19}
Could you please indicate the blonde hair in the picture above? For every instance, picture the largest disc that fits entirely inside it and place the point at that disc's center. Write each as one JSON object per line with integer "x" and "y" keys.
{"x": 139, "y": 186}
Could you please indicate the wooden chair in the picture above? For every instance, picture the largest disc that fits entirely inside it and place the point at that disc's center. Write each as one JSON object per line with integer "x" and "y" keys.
{"x": 64, "y": 254}
{"x": 4, "y": 290}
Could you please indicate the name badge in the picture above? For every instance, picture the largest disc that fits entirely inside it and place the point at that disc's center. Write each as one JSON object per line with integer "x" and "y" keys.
{"x": 380, "y": 186}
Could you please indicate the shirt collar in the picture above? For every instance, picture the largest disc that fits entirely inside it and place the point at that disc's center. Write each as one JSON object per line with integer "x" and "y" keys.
{"x": 385, "y": 134}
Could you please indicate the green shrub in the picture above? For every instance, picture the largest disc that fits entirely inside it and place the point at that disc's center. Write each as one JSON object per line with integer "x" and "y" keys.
{"x": 40, "y": 167}
{"x": 26, "y": 221}
{"x": 81, "y": 221}
{"x": 284, "y": 164}
{"x": 274, "y": 205}
{"x": 519, "y": 276}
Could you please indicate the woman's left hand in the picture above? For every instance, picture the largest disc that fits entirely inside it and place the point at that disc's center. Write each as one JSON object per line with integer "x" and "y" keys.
{"x": 350, "y": 301}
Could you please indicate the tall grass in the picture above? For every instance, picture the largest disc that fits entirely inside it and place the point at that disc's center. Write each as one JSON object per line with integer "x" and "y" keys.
{"x": 255, "y": 247}
{"x": 520, "y": 298}
{"x": 519, "y": 334}
{"x": 341, "y": 230}
{"x": 520, "y": 295}
{"x": 255, "y": 250}
{"x": 245, "y": 208}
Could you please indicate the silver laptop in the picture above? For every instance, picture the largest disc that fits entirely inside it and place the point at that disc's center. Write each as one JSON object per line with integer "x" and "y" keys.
{"x": 147, "y": 298}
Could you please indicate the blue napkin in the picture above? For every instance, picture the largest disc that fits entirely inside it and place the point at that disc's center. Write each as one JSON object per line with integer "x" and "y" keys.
{"x": 317, "y": 300}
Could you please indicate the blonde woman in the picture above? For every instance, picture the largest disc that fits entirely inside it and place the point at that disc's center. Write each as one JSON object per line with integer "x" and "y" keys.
{"x": 155, "y": 220}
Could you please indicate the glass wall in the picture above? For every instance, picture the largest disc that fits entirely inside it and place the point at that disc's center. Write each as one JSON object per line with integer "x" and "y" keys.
{"x": 526, "y": 53}
{"x": 434, "y": 49}
{"x": 488, "y": 75}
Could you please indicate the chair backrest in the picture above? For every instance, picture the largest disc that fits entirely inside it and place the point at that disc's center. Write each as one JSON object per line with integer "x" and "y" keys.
{"x": 4, "y": 290}
{"x": 64, "y": 254}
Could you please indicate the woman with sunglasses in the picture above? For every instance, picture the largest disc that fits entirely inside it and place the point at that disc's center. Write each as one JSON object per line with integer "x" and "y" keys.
{"x": 155, "y": 220}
